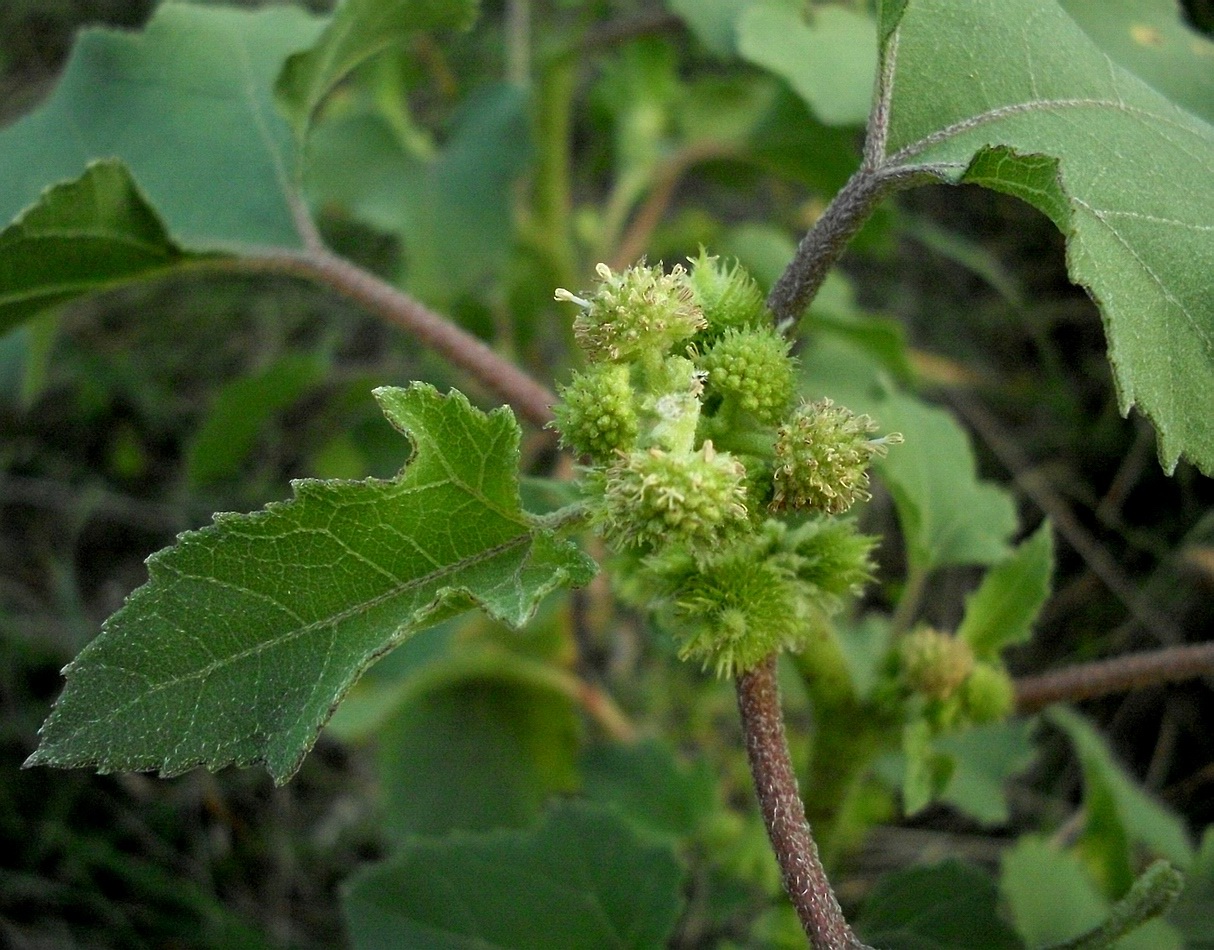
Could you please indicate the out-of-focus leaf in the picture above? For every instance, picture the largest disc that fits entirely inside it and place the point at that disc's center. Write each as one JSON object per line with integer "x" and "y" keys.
{"x": 649, "y": 786}
{"x": 714, "y": 22}
{"x": 1119, "y": 812}
{"x": 1151, "y": 39}
{"x": 948, "y": 515}
{"x": 249, "y": 632}
{"x": 864, "y": 644}
{"x": 241, "y": 410}
{"x": 187, "y": 106}
{"x": 829, "y": 60}
{"x": 359, "y": 30}
{"x": 582, "y": 880}
{"x": 1052, "y": 899}
{"x": 453, "y": 214}
{"x": 984, "y": 758}
{"x": 83, "y": 236}
{"x": 474, "y": 753}
{"x": 1193, "y": 912}
{"x": 927, "y": 771}
{"x": 946, "y": 906}
{"x": 1014, "y": 96}
{"x": 1001, "y": 612}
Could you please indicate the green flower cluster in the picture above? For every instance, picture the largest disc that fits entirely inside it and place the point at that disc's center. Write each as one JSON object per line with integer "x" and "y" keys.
{"x": 960, "y": 687}
{"x": 682, "y": 413}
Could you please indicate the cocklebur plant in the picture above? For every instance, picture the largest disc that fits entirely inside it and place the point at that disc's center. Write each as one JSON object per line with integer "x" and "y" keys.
{"x": 719, "y": 469}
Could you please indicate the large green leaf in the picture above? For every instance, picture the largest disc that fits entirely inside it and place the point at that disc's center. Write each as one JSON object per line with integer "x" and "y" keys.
{"x": 249, "y": 632}
{"x": 1193, "y": 913}
{"x": 359, "y": 30}
{"x": 1001, "y": 611}
{"x": 1014, "y": 96}
{"x": 582, "y": 880}
{"x": 187, "y": 105}
{"x": 984, "y": 758}
{"x": 829, "y": 59}
{"x": 82, "y": 236}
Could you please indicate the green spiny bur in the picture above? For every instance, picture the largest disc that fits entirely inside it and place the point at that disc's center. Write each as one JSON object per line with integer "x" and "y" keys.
{"x": 752, "y": 369}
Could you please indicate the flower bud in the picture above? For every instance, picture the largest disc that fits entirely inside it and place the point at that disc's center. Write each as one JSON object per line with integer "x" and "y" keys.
{"x": 729, "y": 296}
{"x": 988, "y": 693}
{"x": 654, "y": 498}
{"x": 935, "y": 664}
{"x": 638, "y": 312}
{"x": 752, "y": 368}
{"x": 595, "y": 415}
{"x": 822, "y": 457}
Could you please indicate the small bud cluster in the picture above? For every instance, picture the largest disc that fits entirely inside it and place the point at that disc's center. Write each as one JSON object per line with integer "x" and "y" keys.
{"x": 652, "y": 497}
{"x": 752, "y": 367}
{"x": 596, "y": 416}
{"x": 943, "y": 669}
{"x": 935, "y": 664}
{"x": 822, "y": 458}
{"x": 683, "y": 411}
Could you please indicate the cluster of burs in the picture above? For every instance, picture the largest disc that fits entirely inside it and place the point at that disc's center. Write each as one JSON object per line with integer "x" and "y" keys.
{"x": 716, "y": 489}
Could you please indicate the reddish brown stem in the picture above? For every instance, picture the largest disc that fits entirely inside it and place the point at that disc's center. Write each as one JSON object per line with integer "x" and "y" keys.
{"x": 530, "y": 399}
{"x": 1117, "y": 675}
{"x": 784, "y": 813}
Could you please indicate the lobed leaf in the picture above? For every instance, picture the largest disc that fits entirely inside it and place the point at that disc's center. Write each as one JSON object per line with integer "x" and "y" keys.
{"x": 1014, "y": 96}
{"x": 249, "y": 632}
{"x": 82, "y": 236}
{"x": 187, "y": 105}
{"x": 582, "y": 879}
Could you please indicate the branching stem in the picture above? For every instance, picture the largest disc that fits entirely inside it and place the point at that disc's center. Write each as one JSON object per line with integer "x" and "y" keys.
{"x": 784, "y": 813}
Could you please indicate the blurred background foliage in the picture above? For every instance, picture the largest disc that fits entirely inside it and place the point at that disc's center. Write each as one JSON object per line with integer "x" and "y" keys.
{"x": 135, "y": 415}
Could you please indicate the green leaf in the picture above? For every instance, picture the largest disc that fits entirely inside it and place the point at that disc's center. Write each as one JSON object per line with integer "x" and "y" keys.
{"x": 249, "y": 632}
{"x": 1050, "y": 896}
{"x": 939, "y": 907}
{"x": 1119, "y": 812}
{"x": 1014, "y": 96}
{"x": 830, "y": 61}
{"x": 949, "y": 516}
{"x": 650, "y": 786}
{"x": 475, "y": 752}
{"x": 1193, "y": 912}
{"x": 1151, "y": 39}
{"x": 714, "y": 22}
{"x": 1052, "y": 899}
{"x": 452, "y": 213}
{"x": 241, "y": 410}
{"x": 187, "y": 106}
{"x": 81, "y": 237}
{"x": 984, "y": 758}
{"x": 359, "y": 30}
{"x": 582, "y": 880}
{"x": 1001, "y": 612}
{"x": 927, "y": 771}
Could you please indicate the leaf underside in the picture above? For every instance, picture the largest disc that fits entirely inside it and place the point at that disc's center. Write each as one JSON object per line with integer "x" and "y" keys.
{"x": 1014, "y": 96}
{"x": 250, "y": 631}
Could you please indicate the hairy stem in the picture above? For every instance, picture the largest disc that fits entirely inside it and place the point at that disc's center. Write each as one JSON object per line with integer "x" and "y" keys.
{"x": 1117, "y": 675}
{"x": 825, "y": 242}
{"x": 531, "y": 399}
{"x": 784, "y": 813}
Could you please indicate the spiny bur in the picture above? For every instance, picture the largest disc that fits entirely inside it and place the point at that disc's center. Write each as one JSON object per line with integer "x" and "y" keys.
{"x": 752, "y": 369}
{"x": 822, "y": 458}
{"x": 595, "y": 416}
